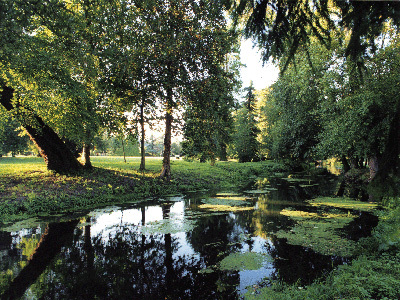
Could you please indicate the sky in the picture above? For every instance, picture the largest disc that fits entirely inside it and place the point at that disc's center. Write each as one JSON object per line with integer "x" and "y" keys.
{"x": 262, "y": 76}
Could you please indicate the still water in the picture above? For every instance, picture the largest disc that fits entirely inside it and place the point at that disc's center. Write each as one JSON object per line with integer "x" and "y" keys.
{"x": 177, "y": 247}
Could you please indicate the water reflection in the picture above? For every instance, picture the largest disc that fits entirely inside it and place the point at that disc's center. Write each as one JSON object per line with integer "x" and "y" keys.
{"x": 165, "y": 250}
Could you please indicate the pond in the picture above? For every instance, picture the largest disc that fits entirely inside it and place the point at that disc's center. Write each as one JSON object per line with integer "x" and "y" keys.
{"x": 203, "y": 245}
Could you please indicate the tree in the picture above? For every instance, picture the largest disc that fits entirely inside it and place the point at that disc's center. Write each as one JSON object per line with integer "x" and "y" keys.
{"x": 208, "y": 117}
{"x": 246, "y": 130}
{"x": 47, "y": 71}
{"x": 187, "y": 39}
{"x": 281, "y": 28}
{"x": 362, "y": 124}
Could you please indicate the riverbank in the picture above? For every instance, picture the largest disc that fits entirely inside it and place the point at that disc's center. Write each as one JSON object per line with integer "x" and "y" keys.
{"x": 28, "y": 189}
{"x": 373, "y": 274}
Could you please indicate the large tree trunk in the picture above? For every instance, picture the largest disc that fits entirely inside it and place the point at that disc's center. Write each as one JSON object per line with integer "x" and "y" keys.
{"x": 142, "y": 151}
{"x": 166, "y": 168}
{"x": 53, "y": 150}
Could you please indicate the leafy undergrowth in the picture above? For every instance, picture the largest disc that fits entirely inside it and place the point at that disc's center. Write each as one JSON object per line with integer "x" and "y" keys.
{"x": 366, "y": 278}
{"x": 28, "y": 189}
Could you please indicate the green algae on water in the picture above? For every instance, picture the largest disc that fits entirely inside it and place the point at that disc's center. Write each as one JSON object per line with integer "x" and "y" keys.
{"x": 226, "y": 204}
{"x": 17, "y": 226}
{"x": 244, "y": 261}
{"x": 226, "y": 208}
{"x": 343, "y": 202}
{"x": 261, "y": 191}
{"x": 228, "y": 201}
{"x": 227, "y": 194}
{"x": 319, "y": 231}
{"x": 168, "y": 226}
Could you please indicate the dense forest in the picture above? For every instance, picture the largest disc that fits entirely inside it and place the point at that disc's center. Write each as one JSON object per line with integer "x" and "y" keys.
{"x": 81, "y": 77}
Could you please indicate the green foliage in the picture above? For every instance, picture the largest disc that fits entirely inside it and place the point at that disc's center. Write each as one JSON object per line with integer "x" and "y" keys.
{"x": 282, "y": 28}
{"x": 246, "y": 145}
{"x": 208, "y": 121}
{"x": 359, "y": 122}
{"x": 290, "y": 109}
{"x": 49, "y": 64}
{"x": 12, "y": 139}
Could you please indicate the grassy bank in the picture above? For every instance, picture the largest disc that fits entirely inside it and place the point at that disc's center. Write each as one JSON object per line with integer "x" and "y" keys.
{"x": 28, "y": 189}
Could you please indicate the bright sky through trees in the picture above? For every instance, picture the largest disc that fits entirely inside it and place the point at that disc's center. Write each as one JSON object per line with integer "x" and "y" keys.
{"x": 262, "y": 76}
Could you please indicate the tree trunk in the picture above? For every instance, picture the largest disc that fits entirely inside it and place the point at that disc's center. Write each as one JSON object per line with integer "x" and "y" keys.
{"x": 346, "y": 166}
{"x": 55, "y": 153}
{"x": 85, "y": 157}
{"x": 166, "y": 168}
{"x": 123, "y": 149}
{"x": 373, "y": 167}
{"x": 142, "y": 151}
{"x": 223, "y": 155}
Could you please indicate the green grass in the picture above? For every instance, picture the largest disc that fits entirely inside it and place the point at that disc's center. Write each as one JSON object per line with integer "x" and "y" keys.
{"x": 28, "y": 189}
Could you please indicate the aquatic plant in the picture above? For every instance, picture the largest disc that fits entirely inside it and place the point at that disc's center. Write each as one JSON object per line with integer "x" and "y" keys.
{"x": 319, "y": 231}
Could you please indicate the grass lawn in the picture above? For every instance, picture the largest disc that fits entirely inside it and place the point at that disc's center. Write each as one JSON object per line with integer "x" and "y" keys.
{"x": 28, "y": 189}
